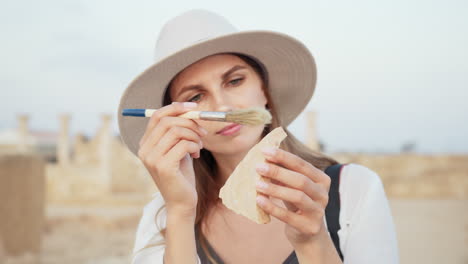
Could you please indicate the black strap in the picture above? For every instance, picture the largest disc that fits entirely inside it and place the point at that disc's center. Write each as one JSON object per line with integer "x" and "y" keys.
{"x": 332, "y": 211}
{"x": 201, "y": 253}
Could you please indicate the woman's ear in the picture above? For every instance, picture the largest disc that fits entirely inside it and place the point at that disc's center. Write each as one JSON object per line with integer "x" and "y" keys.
{"x": 265, "y": 98}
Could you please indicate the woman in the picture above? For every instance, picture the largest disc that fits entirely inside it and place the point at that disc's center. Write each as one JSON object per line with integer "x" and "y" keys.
{"x": 203, "y": 63}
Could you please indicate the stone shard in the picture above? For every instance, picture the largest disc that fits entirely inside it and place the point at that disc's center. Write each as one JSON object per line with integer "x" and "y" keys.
{"x": 239, "y": 192}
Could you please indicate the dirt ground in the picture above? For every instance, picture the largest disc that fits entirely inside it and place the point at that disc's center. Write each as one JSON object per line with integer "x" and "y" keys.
{"x": 429, "y": 231}
{"x": 76, "y": 235}
{"x": 432, "y": 231}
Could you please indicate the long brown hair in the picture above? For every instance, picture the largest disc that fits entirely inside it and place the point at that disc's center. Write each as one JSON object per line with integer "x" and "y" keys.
{"x": 207, "y": 182}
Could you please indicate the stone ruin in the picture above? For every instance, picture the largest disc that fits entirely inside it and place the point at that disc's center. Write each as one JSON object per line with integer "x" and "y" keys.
{"x": 85, "y": 170}
{"x": 98, "y": 168}
{"x": 97, "y": 171}
{"x": 407, "y": 175}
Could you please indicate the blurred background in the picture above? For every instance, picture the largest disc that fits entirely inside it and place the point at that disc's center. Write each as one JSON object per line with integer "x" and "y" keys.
{"x": 391, "y": 92}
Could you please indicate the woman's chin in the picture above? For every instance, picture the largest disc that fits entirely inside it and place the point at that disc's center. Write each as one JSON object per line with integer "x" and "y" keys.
{"x": 233, "y": 147}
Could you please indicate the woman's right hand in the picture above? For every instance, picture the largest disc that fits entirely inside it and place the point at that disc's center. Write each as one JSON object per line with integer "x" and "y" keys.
{"x": 166, "y": 150}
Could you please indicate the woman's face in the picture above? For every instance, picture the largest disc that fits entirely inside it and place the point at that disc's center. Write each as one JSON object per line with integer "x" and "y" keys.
{"x": 222, "y": 83}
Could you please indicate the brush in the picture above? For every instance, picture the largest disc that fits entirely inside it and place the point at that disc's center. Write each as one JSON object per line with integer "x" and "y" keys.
{"x": 249, "y": 116}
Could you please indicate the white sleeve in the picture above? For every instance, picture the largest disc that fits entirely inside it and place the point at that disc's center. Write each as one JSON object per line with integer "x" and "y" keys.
{"x": 366, "y": 219}
{"x": 148, "y": 234}
{"x": 149, "y": 243}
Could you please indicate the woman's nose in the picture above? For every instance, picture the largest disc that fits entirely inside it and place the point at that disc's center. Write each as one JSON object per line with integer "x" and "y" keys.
{"x": 222, "y": 103}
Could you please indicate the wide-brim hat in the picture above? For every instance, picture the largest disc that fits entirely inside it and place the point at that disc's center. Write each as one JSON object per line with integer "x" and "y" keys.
{"x": 196, "y": 34}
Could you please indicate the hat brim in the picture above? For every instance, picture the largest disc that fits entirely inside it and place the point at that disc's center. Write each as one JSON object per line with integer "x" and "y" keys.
{"x": 289, "y": 64}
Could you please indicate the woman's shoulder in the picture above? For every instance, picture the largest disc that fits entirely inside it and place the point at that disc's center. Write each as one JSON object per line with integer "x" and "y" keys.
{"x": 359, "y": 187}
{"x": 155, "y": 210}
{"x": 151, "y": 222}
{"x": 358, "y": 178}
{"x": 156, "y": 202}
{"x": 365, "y": 217}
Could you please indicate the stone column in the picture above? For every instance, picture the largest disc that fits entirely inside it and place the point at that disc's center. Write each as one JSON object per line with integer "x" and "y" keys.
{"x": 23, "y": 132}
{"x": 311, "y": 131}
{"x": 63, "y": 144}
{"x": 80, "y": 156}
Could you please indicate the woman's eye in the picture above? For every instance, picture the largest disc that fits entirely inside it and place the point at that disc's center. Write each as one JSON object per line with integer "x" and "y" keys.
{"x": 195, "y": 98}
{"x": 235, "y": 81}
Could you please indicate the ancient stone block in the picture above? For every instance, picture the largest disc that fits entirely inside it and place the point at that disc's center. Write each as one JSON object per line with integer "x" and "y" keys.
{"x": 22, "y": 197}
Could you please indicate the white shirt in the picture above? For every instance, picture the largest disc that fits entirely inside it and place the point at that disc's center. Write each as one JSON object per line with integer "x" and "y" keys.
{"x": 367, "y": 234}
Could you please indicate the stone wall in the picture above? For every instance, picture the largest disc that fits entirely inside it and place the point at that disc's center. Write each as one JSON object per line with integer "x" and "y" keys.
{"x": 409, "y": 175}
{"x": 22, "y": 203}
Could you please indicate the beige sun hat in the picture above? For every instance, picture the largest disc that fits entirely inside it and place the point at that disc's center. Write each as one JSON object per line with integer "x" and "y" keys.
{"x": 193, "y": 35}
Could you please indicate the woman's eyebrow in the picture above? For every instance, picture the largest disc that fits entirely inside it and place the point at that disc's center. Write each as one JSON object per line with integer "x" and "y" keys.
{"x": 233, "y": 69}
{"x": 188, "y": 88}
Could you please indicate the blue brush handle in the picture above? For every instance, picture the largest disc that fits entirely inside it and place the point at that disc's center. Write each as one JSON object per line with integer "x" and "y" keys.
{"x": 134, "y": 112}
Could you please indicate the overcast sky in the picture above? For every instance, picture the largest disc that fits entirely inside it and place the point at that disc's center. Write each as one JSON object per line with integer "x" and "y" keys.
{"x": 389, "y": 72}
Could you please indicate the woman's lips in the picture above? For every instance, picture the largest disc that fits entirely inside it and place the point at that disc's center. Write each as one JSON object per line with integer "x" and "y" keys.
{"x": 229, "y": 129}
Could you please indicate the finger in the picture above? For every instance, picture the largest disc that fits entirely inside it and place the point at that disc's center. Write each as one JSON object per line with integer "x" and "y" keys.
{"x": 301, "y": 223}
{"x": 294, "y": 180}
{"x": 295, "y": 163}
{"x": 174, "y": 135}
{"x": 165, "y": 124}
{"x": 298, "y": 198}
{"x": 151, "y": 161}
{"x": 282, "y": 214}
{"x": 174, "y": 109}
{"x": 178, "y": 152}
{"x": 195, "y": 155}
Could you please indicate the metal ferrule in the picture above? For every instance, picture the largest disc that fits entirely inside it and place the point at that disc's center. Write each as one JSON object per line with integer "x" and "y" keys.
{"x": 214, "y": 116}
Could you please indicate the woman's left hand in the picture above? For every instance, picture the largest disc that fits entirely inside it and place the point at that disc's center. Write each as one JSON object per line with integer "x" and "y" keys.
{"x": 303, "y": 189}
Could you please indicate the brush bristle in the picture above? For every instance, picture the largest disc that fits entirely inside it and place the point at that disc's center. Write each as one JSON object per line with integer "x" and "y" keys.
{"x": 250, "y": 116}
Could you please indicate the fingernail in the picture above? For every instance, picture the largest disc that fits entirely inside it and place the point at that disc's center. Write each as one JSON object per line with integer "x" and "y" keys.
{"x": 262, "y": 167}
{"x": 189, "y": 105}
{"x": 262, "y": 185}
{"x": 200, "y": 144}
{"x": 203, "y": 131}
{"x": 269, "y": 151}
{"x": 261, "y": 200}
